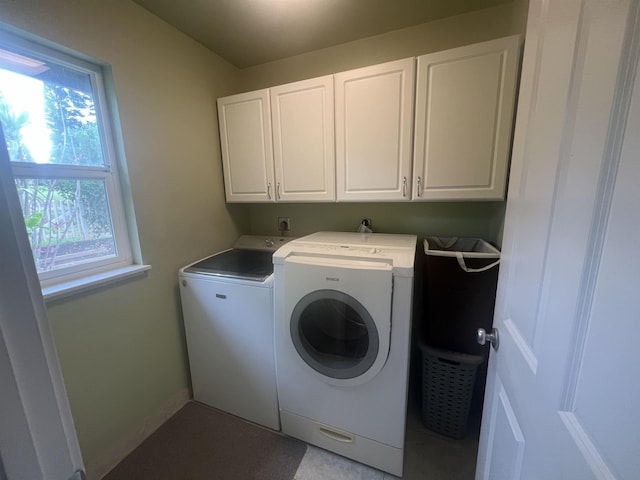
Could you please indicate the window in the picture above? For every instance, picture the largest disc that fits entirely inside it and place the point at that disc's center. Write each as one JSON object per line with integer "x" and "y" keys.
{"x": 57, "y": 133}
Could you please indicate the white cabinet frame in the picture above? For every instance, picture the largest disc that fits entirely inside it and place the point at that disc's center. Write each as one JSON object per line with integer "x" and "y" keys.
{"x": 353, "y": 136}
{"x": 374, "y": 119}
{"x": 464, "y": 117}
{"x": 303, "y": 140}
{"x": 245, "y": 142}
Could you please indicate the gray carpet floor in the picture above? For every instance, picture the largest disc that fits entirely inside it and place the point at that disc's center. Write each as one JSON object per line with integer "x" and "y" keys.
{"x": 201, "y": 443}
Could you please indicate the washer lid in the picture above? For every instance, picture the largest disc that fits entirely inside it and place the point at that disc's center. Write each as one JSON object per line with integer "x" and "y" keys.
{"x": 249, "y": 259}
{"x": 236, "y": 263}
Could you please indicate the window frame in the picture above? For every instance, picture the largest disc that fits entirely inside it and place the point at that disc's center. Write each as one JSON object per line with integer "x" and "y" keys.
{"x": 65, "y": 280}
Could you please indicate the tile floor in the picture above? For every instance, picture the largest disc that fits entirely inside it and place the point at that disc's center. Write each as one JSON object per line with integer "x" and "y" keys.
{"x": 428, "y": 456}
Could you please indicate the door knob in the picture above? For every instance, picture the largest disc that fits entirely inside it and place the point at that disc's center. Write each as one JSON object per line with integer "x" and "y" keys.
{"x": 493, "y": 338}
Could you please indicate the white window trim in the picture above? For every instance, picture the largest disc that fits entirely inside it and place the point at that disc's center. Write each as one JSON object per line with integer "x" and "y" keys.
{"x": 71, "y": 287}
{"x": 64, "y": 282}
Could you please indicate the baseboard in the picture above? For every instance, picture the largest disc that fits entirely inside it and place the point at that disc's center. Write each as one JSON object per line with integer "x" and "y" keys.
{"x": 105, "y": 463}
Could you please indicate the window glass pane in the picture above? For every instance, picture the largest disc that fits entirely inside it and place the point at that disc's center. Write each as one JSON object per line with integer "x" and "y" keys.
{"x": 68, "y": 221}
{"x": 48, "y": 112}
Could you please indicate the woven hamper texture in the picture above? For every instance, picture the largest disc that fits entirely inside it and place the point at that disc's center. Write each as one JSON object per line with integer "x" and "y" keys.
{"x": 447, "y": 387}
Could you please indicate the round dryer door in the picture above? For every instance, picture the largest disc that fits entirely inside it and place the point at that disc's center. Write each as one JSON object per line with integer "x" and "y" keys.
{"x": 336, "y": 314}
{"x": 334, "y": 334}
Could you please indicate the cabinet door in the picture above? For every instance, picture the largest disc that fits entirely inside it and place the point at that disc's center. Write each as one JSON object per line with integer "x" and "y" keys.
{"x": 303, "y": 140}
{"x": 374, "y": 119}
{"x": 245, "y": 141}
{"x": 464, "y": 117}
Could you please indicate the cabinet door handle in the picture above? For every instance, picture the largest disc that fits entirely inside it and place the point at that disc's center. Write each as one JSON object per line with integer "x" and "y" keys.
{"x": 404, "y": 186}
{"x": 278, "y": 191}
{"x": 269, "y": 190}
{"x": 419, "y": 186}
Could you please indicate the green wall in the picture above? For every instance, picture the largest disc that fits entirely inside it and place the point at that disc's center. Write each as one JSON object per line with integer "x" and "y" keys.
{"x": 473, "y": 27}
{"x": 463, "y": 219}
{"x": 121, "y": 347}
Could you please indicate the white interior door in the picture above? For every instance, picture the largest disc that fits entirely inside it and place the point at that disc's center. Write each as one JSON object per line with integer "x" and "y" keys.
{"x": 37, "y": 435}
{"x": 563, "y": 386}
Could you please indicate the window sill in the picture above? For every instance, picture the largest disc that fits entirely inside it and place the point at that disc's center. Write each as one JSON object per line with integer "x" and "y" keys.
{"x": 80, "y": 285}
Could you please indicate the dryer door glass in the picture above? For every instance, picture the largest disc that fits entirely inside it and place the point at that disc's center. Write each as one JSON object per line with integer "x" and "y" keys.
{"x": 334, "y": 334}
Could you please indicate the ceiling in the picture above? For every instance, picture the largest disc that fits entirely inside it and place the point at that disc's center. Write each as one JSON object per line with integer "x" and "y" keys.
{"x": 251, "y": 32}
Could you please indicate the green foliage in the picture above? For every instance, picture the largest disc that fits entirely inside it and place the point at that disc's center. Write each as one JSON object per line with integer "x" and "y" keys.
{"x": 33, "y": 221}
{"x": 12, "y": 125}
{"x": 70, "y": 116}
{"x": 92, "y": 196}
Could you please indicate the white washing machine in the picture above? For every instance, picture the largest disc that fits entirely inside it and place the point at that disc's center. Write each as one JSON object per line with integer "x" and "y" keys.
{"x": 227, "y": 304}
{"x": 343, "y": 305}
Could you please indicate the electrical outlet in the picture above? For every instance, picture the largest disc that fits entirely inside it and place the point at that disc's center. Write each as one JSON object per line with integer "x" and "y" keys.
{"x": 284, "y": 224}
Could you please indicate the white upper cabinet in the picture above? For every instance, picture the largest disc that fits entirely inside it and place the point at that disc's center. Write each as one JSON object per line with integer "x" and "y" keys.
{"x": 374, "y": 118}
{"x": 352, "y": 136}
{"x": 464, "y": 117}
{"x": 303, "y": 140}
{"x": 245, "y": 141}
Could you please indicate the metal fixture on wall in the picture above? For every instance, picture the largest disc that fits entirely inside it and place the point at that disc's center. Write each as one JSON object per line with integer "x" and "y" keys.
{"x": 365, "y": 226}
{"x": 284, "y": 224}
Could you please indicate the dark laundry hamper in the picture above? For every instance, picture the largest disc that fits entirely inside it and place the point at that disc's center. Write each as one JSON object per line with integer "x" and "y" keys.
{"x": 460, "y": 280}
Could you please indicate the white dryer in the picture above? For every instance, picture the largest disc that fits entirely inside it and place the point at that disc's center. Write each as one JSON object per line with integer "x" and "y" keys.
{"x": 343, "y": 306}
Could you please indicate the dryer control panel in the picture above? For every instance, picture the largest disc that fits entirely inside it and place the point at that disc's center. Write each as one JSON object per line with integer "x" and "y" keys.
{"x": 397, "y": 250}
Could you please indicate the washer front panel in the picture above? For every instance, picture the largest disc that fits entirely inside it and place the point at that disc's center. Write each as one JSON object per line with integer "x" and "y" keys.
{"x": 361, "y": 291}
{"x": 334, "y": 334}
